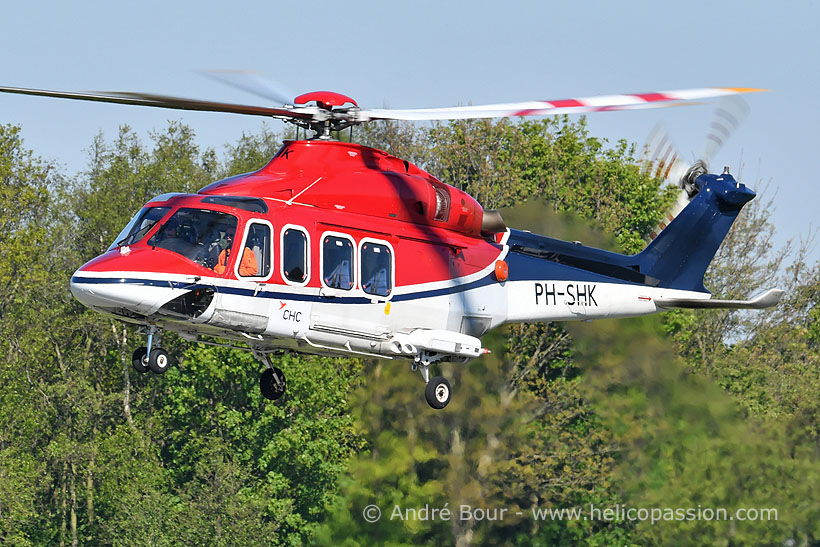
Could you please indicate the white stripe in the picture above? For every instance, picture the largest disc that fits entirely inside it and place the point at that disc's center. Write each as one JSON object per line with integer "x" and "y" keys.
{"x": 291, "y": 200}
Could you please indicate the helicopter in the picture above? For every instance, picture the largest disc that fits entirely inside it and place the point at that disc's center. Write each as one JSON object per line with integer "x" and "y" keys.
{"x": 335, "y": 248}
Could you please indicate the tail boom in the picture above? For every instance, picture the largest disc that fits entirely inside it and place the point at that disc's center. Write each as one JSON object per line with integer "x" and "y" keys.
{"x": 552, "y": 279}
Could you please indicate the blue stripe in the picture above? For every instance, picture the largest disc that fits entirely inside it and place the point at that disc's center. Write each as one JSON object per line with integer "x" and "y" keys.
{"x": 483, "y": 282}
{"x": 529, "y": 268}
{"x": 486, "y": 280}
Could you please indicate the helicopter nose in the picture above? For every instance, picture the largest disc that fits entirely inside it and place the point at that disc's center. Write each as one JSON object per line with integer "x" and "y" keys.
{"x": 103, "y": 292}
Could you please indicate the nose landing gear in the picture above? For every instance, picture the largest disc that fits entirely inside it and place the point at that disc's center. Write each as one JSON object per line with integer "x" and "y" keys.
{"x": 438, "y": 390}
{"x": 146, "y": 358}
{"x": 272, "y": 382}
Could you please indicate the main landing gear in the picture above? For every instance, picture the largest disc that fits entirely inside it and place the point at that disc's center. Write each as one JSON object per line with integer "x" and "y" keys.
{"x": 271, "y": 382}
{"x": 438, "y": 390}
{"x": 147, "y": 358}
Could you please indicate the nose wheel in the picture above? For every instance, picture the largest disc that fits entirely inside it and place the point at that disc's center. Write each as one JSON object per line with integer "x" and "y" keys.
{"x": 146, "y": 358}
{"x": 437, "y": 390}
{"x": 272, "y": 382}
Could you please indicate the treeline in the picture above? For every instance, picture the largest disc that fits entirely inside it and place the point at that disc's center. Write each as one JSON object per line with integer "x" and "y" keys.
{"x": 708, "y": 408}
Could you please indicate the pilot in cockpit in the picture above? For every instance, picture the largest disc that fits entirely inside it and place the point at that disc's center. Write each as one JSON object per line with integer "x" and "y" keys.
{"x": 221, "y": 249}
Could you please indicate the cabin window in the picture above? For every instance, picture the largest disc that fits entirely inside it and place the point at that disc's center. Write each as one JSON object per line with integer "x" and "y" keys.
{"x": 255, "y": 258}
{"x": 337, "y": 262}
{"x": 295, "y": 255}
{"x": 377, "y": 269}
{"x": 205, "y": 237}
{"x": 140, "y": 225}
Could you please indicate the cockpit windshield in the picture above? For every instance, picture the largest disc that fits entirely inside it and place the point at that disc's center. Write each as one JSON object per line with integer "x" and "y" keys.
{"x": 206, "y": 237}
{"x": 140, "y": 225}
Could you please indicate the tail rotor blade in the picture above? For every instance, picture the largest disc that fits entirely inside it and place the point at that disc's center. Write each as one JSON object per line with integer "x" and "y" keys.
{"x": 662, "y": 159}
{"x": 730, "y": 112}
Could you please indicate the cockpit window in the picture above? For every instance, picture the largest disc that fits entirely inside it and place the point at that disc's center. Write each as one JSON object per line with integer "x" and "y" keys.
{"x": 140, "y": 225}
{"x": 206, "y": 237}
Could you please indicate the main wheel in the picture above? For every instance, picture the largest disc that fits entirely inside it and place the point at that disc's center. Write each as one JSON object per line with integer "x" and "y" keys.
{"x": 272, "y": 383}
{"x": 438, "y": 392}
{"x": 139, "y": 360}
{"x": 159, "y": 362}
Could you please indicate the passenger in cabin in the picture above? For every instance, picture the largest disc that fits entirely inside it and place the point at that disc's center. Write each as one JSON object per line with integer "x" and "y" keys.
{"x": 249, "y": 266}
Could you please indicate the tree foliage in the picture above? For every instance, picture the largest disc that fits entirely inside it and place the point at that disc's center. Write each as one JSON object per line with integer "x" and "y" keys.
{"x": 706, "y": 408}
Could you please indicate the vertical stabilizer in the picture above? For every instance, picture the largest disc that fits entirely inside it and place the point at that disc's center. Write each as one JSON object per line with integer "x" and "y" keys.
{"x": 680, "y": 254}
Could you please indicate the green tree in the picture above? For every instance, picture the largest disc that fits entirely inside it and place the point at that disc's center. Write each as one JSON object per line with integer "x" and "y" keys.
{"x": 533, "y": 440}
{"x": 102, "y": 455}
{"x": 556, "y": 417}
{"x": 251, "y": 152}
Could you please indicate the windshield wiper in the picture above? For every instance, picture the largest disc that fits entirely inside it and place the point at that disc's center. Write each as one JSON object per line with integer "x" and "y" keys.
{"x": 157, "y": 235}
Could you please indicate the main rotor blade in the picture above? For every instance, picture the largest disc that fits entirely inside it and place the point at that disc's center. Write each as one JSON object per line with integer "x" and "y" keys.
{"x": 252, "y": 82}
{"x": 635, "y": 101}
{"x": 165, "y": 101}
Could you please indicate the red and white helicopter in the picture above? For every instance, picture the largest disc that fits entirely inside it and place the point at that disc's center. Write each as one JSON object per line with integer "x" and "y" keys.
{"x": 334, "y": 248}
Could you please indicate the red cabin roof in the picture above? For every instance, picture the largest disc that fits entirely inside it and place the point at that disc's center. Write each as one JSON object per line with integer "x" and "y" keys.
{"x": 356, "y": 179}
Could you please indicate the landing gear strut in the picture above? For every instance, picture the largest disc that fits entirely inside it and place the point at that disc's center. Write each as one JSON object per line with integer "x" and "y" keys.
{"x": 438, "y": 390}
{"x": 146, "y": 358}
{"x": 272, "y": 382}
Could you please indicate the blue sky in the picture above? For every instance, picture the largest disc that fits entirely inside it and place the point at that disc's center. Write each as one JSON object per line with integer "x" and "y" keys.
{"x": 426, "y": 53}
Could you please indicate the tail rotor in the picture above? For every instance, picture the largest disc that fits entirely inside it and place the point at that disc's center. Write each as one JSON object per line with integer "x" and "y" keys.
{"x": 663, "y": 161}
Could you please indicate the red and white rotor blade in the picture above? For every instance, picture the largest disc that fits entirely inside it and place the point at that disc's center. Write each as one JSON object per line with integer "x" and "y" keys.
{"x": 604, "y": 103}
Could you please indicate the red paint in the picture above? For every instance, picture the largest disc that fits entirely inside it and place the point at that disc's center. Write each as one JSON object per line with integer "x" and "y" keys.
{"x": 527, "y": 112}
{"x": 360, "y": 179}
{"x": 324, "y": 99}
{"x": 550, "y": 105}
{"x": 566, "y": 103}
{"x": 653, "y": 97}
{"x": 328, "y": 186}
{"x": 502, "y": 271}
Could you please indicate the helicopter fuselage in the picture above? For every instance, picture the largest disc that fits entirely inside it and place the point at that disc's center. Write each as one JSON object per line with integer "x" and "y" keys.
{"x": 335, "y": 248}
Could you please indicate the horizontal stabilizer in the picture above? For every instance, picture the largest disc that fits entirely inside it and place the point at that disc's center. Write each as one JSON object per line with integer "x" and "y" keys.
{"x": 763, "y": 300}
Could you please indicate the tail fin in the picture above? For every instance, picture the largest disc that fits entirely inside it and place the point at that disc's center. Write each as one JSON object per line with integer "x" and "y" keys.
{"x": 680, "y": 254}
